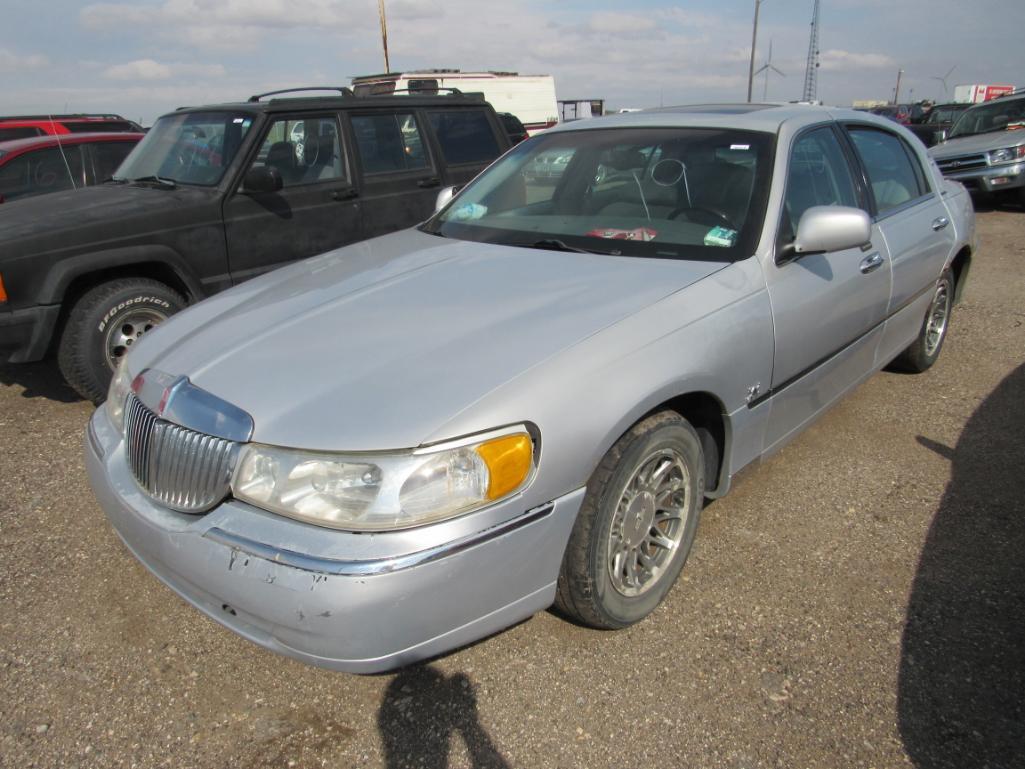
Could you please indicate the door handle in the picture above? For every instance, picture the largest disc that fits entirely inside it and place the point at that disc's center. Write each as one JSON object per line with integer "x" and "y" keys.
{"x": 940, "y": 222}
{"x": 871, "y": 262}
{"x": 434, "y": 181}
{"x": 346, "y": 194}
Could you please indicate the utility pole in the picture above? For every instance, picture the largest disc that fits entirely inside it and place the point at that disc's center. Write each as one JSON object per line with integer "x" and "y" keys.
{"x": 384, "y": 35}
{"x": 811, "y": 69}
{"x": 896, "y": 91}
{"x": 754, "y": 41}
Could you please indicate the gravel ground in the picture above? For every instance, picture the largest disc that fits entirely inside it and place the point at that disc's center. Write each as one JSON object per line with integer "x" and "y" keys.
{"x": 856, "y": 601}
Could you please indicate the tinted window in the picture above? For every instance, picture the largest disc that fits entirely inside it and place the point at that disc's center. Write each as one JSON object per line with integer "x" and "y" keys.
{"x": 107, "y": 156}
{"x": 92, "y": 126}
{"x": 890, "y": 173}
{"x": 7, "y": 134}
{"x": 818, "y": 175}
{"x": 35, "y": 173}
{"x": 389, "y": 143}
{"x": 465, "y": 136}
{"x": 303, "y": 150}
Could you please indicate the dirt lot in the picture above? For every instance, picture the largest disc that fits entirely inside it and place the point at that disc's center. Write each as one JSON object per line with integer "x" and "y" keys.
{"x": 857, "y": 601}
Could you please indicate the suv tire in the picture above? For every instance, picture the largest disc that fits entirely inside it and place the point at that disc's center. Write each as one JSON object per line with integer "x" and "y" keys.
{"x": 104, "y": 323}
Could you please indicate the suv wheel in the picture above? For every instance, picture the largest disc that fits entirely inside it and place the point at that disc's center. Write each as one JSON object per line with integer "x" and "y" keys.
{"x": 104, "y": 323}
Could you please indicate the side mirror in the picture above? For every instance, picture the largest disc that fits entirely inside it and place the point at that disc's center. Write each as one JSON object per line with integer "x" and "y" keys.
{"x": 444, "y": 197}
{"x": 823, "y": 229}
{"x": 940, "y": 136}
{"x": 262, "y": 179}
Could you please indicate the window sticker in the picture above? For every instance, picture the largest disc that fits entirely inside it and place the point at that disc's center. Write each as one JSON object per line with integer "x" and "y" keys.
{"x": 469, "y": 212}
{"x": 641, "y": 233}
{"x": 721, "y": 236}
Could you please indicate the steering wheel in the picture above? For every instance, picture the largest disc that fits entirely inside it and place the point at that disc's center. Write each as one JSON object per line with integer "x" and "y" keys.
{"x": 717, "y": 216}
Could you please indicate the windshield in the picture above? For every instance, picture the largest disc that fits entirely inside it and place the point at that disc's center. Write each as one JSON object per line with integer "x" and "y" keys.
{"x": 187, "y": 148}
{"x": 996, "y": 115}
{"x": 693, "y": 193}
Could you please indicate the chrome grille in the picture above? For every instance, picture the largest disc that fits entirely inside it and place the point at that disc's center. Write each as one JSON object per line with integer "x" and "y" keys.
{"x": 961, "y": 163}
{"x": 180, "y": 468}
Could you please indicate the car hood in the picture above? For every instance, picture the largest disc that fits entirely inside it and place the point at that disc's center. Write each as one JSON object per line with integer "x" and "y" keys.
{"x": 376, "y": 345}
{"x": 965, "y": 145}
{"x": 90, "y": 211}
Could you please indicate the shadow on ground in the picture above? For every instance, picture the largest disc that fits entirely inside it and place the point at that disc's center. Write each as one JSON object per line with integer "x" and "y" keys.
{"x": 961, "y": 693}
{"x": 39, "y": 380}
{"x": 421, "y": 711}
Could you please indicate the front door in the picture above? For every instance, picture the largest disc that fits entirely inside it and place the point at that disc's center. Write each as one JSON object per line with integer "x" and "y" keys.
{"x": 827, "y": 309}
{"x": 315, "y": 211}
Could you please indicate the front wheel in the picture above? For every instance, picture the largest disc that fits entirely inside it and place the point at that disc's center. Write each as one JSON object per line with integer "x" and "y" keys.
{"x": 923, "y": 352}
{"x": 104, "y": 324}
{"x": 636, "y": 524}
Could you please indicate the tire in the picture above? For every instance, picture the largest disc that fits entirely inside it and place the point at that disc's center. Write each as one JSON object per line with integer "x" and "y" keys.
{"x": 104, "y": 323}
{"x": 603, "y": 583}
{"x": 923, "y": 352}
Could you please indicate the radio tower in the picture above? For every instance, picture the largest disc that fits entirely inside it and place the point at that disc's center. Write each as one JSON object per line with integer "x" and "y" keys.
{"x": 811, "y": 70}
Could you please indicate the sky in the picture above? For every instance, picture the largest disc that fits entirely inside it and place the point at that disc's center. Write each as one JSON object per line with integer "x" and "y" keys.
{"x": 146, "y": 57}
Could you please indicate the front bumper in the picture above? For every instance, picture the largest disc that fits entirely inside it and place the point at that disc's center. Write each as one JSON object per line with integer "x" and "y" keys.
{"x": 25, "y": 334}
{"x": 991, "y": 178}
{"x": 356, "y": 614}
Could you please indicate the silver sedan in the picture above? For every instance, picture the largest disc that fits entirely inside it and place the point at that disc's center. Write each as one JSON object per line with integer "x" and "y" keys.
{"x": 393, "y": 449}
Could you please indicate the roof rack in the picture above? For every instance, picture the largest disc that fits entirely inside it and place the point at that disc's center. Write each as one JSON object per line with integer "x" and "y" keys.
{"x": 340, "y": 89}
{"x": 77, "y": 116}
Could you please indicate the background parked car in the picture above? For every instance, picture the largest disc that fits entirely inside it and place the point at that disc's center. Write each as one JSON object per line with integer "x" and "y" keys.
{"x": 213, "y": 196}
{"x": 940, "y": 118}
{"x": 513, "y": 127}
{"x": 24, "y": 126}
{"x": 53, "y": 163}
{"x": 898, "y": 113}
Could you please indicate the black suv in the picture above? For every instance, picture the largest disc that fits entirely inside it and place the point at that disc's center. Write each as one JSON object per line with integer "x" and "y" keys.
{"x": 215, "y": 195}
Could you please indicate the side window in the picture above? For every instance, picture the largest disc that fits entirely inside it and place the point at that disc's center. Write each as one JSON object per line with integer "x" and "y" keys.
{"x": 19, "y": 132}
{"x": 465, "y": 136}
{"x": 389, "y": 142}
{"x": 818, "y": 175}
{"x": 303, "y": 150}
{"x": 107, "y": 156}
{"x": 889, "y": 167}
{"x": 35, "y": 173}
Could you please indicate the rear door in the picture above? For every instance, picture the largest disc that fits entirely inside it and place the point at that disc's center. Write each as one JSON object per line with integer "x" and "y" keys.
{"x": 914, "y": 222}
{"x": 315, "y": 211}
{"x": 828, "y": 309}
{"x": 399, "y": 175}
{"x": 468, "y": 140}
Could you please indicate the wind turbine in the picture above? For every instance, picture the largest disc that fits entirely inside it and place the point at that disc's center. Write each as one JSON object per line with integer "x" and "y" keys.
{"x": 765, "y": 68}
{"x": 944, "y": 80}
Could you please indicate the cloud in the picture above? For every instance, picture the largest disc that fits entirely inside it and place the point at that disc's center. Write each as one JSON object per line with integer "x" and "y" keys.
{"x": 11, "y": 61}
{"x": 148, "y": 69}
{"x": 619, "y": 23}
{"x": 838, "y": 60}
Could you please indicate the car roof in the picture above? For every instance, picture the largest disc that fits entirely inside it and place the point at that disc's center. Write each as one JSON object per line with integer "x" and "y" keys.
{"x": 342, "y": 101}
{"x": 768, "y": 118}
{"x": 18, "y": 146}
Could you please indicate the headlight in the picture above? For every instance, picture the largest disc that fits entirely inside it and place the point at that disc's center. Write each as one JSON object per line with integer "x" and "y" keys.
{"x": 1007, "y": 154}
{"x": 120, "y": 386}
{"x": 378, "y": 492}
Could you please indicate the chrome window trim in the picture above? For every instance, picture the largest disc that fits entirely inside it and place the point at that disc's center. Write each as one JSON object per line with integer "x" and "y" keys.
{"x": 907, "y": 204}
{"x": 370, "y": 567}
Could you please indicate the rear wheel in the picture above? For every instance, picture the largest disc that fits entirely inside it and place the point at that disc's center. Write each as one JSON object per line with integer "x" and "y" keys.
{"x": 636, "y": 525}
{"x": 923, "y": 352}
{"x": 104, "y": 324}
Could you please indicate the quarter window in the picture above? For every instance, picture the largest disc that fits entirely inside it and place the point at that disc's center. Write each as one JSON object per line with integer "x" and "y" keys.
{"x": 465, "y": 136}
{"x": 389, "y": 142}
{"x": 889, "y": 167}
{"x": 818, "y": 175}
{"x": 303, "y": 151}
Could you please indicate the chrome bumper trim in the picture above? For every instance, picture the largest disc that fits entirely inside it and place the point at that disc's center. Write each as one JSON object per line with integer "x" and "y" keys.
{"x": 343, "y": 568}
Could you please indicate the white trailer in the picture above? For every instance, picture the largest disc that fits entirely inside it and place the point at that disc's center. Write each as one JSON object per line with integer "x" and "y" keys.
{"x": 973, "y": 94}
{"x": 531, "y": 98}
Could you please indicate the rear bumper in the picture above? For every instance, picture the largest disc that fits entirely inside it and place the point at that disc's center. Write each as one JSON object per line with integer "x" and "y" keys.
{"x": 357, "y": 615}
{"x": 25, "y": 334}
{"x": 992, "y": 178}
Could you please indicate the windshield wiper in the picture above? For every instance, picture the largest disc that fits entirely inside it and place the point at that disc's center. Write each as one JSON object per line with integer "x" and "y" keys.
{"x": 168, "y": 183}
{"x": 554, "y": 244}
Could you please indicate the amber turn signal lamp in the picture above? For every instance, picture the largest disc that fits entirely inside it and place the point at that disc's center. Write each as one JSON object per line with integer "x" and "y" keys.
{"x": 509, "y": 460}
